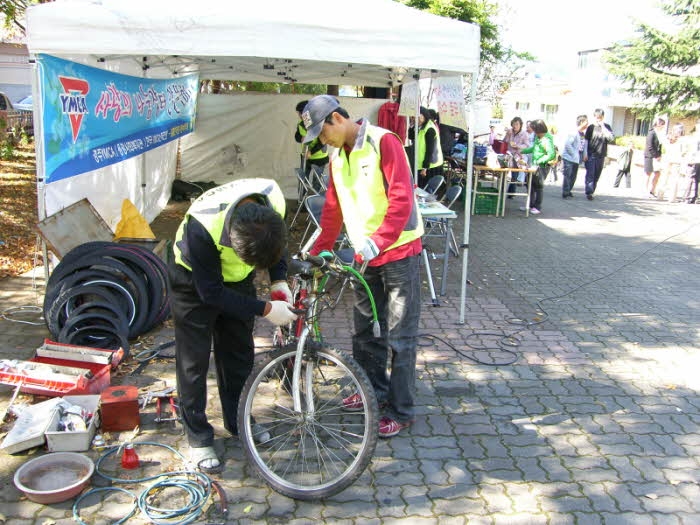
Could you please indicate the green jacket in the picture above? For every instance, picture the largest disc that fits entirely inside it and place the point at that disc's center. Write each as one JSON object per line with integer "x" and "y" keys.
{"x": 542, "y": 150}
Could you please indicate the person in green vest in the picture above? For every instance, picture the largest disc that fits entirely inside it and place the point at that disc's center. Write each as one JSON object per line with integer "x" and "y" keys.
{"x": 543, "y": 152}
{"x": 370, "y": 191}
{"x": 313, "y": 153}
{"x": 228, "y": 233}
{"x": 429, "y": 150}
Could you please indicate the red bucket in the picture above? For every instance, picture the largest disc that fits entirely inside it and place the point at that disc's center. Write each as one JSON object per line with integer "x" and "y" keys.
{"x": 500, "y": 146}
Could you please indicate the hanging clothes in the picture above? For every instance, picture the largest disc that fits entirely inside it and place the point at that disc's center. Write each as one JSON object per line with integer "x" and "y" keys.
{"x": 390, "y": 119}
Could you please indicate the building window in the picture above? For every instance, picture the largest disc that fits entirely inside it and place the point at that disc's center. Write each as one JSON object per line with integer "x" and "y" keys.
{"x": 549, "y": 111}
{"x": 522, "y": 106}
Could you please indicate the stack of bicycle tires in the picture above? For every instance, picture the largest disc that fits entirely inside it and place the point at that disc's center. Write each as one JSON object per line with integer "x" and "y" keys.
{"x": 102, "y": 294}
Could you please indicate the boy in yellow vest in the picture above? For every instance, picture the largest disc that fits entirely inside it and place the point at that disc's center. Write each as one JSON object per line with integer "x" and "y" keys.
{"x": 371, "y": 192}
{"x": 226, "y": 234}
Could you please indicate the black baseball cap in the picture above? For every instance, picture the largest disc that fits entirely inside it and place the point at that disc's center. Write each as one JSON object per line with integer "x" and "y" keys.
{"x": 315, "y": 114}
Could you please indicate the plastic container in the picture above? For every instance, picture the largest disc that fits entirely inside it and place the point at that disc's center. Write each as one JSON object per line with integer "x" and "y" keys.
{"x": 65, "y": 441}
{"x": 30, "y": 427}
{"x": 486, "y": 204}
{"x": 55, "y": 477}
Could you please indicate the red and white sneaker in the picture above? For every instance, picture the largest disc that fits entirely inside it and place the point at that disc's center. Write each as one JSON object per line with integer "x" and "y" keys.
{"x": 353, "y": 403}
{"x": 389, "y": 427}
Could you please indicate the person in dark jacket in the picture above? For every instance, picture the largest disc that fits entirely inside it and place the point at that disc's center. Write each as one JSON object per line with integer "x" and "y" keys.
{"x": 598, "y": 136}
{"x": 624, "y": 166}
{"x": 428, "y": 144}
{"x": 652, "y": 156}
{"x": 314, "y": 153}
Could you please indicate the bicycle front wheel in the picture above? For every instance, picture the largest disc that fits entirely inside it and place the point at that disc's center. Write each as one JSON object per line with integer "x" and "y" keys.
{"x": 322, "y": 449}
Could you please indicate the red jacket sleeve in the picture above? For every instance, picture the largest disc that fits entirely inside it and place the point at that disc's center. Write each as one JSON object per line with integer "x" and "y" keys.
{"x": 331, "y": 220}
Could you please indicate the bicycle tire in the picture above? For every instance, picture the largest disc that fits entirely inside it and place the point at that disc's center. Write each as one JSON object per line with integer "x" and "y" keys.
{"x": 336, "y": 435}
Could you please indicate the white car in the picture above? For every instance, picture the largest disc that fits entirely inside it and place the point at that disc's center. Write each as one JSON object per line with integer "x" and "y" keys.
{"x": 25, "y": 104}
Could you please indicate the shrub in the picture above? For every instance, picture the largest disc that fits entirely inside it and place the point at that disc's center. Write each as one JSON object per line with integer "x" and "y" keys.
{"x": 635, "y": 141}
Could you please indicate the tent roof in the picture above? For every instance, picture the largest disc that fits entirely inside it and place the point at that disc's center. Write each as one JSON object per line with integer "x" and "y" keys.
{"x": 363, "y": 42}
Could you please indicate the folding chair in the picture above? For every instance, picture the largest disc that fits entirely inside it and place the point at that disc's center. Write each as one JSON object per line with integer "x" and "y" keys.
{"x": 451, "y": 196}
{"x": 305, "y": 190}
{"x": 318, "y": 179}
{"x": 434, "y": 184}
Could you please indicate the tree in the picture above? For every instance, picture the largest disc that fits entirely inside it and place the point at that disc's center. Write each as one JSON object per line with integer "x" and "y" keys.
{"x": 13, "y": 11}
{"x": 499, "y": 64}
{"x": 662, "y": 69}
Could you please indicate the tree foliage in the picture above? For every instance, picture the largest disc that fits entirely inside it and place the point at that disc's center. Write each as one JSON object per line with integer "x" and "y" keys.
{"x": 662, "y": 69}
{"x": 13, "y": 11}
{"x": 499, "y": 64}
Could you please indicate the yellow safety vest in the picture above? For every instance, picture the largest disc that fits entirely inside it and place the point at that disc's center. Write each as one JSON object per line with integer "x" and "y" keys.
{"x": 361, "y": 188}
{"x": 435, "y": 157}
{"x": 320, "y": 154}
{"x": 213, "y": 209}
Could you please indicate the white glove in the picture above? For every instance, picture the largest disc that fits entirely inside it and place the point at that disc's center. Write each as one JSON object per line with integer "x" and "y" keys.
{"x": 279, "y": 291}
{"x": 280, "y": 313}
{"x": 367, "y": 249}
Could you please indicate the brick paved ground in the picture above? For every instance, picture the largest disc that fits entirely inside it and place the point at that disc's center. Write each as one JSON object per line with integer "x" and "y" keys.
{"x": 597, "y": 421}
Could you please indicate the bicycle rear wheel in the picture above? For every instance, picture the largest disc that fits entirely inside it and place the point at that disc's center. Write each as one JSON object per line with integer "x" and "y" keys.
{"x": 315, "y": 453}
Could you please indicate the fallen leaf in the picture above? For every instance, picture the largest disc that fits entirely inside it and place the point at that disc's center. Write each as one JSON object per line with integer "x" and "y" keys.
{"x": 652, "y": 496}
{"x": 248, "y": 509}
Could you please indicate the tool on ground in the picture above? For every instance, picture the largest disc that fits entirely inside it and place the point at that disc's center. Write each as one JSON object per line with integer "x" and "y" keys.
{"x": 223, "y": 504}
{"x": 159, "y": 409}
{"x": 130, "y": 460}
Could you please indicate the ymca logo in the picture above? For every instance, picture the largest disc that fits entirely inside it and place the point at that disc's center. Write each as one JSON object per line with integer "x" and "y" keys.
{"x": 73, "y": 101}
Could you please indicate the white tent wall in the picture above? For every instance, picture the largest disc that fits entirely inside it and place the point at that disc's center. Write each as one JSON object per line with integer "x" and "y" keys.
{"x": 252, "y": 135}
{"x": 107, "y": 187}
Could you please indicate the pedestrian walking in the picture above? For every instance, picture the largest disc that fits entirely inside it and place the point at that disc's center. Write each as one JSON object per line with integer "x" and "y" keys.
{"x": 624, "y": 167}
{"x": 598, "y": 136}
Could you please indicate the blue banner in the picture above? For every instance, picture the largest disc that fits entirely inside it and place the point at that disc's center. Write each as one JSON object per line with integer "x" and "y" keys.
{"x": 93, "y": 118}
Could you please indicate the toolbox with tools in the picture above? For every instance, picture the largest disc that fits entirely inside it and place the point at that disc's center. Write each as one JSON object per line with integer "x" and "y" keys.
{"x": 58, "y": 369}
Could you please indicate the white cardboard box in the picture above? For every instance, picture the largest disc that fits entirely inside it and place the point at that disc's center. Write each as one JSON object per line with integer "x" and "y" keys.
{"x": 63, "y": 441}
{"x": 28, "y": 431}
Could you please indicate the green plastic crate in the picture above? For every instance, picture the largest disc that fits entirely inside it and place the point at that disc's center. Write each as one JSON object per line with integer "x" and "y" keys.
{"x": 486, "y": 204}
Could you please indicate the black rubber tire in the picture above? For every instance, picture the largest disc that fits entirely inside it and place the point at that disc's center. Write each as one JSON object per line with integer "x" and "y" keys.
{"x": 108, "y": 338}
{"x": 86, "y": 319}
{"x": 102, "y": 308}
{"x": 151, "y": 269}
{"x": 323, "y": 356}
{"x": 78, "y": 277}
{"x": 56, "y": 317}
{"x": 95, "y": 262}
{"x": 155, "y": 272}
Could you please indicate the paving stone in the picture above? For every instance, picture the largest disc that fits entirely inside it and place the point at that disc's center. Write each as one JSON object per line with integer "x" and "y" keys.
{"x": 591, "y": 418}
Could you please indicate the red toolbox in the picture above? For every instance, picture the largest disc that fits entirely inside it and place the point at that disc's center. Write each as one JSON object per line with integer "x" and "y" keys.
{"x": 59, "y": 370}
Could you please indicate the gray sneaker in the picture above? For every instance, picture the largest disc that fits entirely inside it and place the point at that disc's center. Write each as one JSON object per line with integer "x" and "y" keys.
{"x": 261, "y": 435}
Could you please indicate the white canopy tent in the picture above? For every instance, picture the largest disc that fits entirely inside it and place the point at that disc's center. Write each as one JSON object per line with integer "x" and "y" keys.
{"x": 377, "y": 43}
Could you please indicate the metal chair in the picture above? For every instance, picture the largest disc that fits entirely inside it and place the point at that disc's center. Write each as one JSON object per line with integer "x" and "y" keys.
{"x": 451, "y": 196}
{"x": 306, "y": 189}
{"x": 434, "y": 184}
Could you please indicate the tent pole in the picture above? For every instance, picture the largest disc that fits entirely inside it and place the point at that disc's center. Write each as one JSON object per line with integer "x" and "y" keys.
{"x": 415, "y": 132}
{"x": 467, "y": 197}
{"x": 38, "y": 125}
{"x": 142, "y": 209}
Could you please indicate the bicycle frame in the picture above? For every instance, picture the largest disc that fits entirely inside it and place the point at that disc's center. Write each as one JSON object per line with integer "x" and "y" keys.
{"x": 311, "y": 288}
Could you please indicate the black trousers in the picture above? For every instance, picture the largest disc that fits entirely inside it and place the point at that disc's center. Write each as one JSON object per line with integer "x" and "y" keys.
{"x": 618, "y": 178}
{"x": 197, "y": 327}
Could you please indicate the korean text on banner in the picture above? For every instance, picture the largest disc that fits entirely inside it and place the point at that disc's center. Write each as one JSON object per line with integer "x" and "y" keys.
{"x": 449, "y": 93}
{"x": 409, "y": 99}
{"x": 94, "y": 118}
